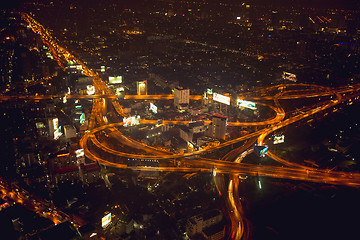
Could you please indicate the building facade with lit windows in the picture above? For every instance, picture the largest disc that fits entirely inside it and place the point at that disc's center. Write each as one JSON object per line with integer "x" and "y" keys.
{"x": 141, "y": 87}
{"x": 181, "y": 96}
{"x": 217, "y": 129}
{"x": 198, "y": 223}
{"x": 87, "y": 173}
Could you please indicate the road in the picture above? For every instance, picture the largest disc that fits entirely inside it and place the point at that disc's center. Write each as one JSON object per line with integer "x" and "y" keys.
{"x": 93, "y": 142}
{"x": 15, "y": 194}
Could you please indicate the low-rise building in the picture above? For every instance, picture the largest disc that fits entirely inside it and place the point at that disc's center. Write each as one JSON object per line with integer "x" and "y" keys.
{"x": 198, "y": 223}
{"x": 87, "y": 173}
{"x": 70, "y": 131}
{"x": 186, "y": 134}
{"x": 214, "y": 232}
{"x": 196, "y": 127}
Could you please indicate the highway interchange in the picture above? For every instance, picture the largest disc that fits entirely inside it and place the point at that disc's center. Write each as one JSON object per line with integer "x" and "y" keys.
{"x": 97, "y": 147}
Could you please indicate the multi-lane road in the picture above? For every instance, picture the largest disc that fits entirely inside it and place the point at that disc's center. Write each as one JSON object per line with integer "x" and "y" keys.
{"x": 15, "y": 194}
{"x": 98, "y": 148}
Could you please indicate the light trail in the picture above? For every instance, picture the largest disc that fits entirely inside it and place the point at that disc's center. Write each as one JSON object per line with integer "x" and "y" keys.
{"x": 197, "y": 164}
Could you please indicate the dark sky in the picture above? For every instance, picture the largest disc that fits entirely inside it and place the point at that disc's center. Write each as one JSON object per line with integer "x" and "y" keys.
{"x": 10, "y": 4}
{"x": 343, "y": 4}
{"x": 348, "y": 4}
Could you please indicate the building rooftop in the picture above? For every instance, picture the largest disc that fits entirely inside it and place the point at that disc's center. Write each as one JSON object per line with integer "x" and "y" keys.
{"x": 61, "y": 231}
{"x": 220, "y": 116}
{"x": 90, "y": 167}
{"x": 213, "y": 229}
{"x": 196, "y": 124}
{"x": 210, "y": 214}
{"x": 66, "y": 169}
{"x": 85, "y": 167}
{"x": 184, "y": 128}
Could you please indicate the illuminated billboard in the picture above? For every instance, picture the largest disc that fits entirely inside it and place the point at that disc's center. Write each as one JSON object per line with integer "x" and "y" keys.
{"x": 79, "y": 152}
{"x": 279, "y": 139}
{"x": 105, "y": 221}
{"x": 78, "y": 67}
{"x": 153, "y": 108}
{"x": 55, "y": 129}
{"x": 82, "y": 118}
{"x": 115, "y": 80}
{"x": 246, "y": 104}
{"x": 102, "y": 68}
{"x": 39, "y": 125}
{"x": 142, "y": 87}
{"x": 131, "y": 121}
{"x": 119, "y": 92}
{"x": 289, "y": 76}
{"x": 221, "y": 98}
{"x": 208, "y": 92}
{"x": 90, "y": 89}
{"x": 261, "y": 151}
{"x": 55, "y": 123}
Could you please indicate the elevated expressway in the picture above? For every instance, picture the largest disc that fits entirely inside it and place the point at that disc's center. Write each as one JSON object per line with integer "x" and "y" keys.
{"x": 100, "y": 149}
{"x": 274, "y": 93}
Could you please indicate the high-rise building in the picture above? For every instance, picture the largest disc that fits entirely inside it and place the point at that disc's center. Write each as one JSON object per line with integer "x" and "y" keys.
{"x": 217, "y": 129}
{"x": 142, "y": 87}
{"x": 181, "y": 96}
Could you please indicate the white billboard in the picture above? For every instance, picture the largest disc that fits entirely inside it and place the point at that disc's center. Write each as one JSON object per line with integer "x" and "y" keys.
{"x": 221, "y": 98}
{"x": 279, "y": 139}
{"x": 115, "y": 80}
{"x": 90, "y": 89}
{"x": 131, "y": 121}
{"x": 105, "y": 221}
{"x": 153, "y": 108}
{"x": 246, "y": 104}
{"x": 79, "y": 152}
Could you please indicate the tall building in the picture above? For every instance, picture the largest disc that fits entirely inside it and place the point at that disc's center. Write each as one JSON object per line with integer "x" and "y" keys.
{"x": 217, "y": 129}
{"x": 142, "y": 87}
{"x": 181, "y": 96}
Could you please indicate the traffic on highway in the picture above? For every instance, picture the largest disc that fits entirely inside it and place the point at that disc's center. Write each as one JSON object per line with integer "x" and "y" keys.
{"x": 98, "y": 141}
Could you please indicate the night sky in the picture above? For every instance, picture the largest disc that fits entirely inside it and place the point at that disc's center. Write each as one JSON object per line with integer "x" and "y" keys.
{"x": 318, "y": 3}
{"x": 343, "y": 4}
